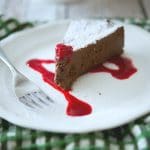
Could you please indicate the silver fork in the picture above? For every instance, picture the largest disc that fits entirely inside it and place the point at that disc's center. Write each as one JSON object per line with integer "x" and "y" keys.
{"x": 27, "y": 92}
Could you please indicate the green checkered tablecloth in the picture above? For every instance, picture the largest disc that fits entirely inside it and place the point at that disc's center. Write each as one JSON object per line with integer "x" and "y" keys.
{"x": 132, "y": 136}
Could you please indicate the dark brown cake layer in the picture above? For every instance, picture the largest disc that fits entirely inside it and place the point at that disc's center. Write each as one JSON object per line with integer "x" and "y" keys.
{"x": 84, "y": 59}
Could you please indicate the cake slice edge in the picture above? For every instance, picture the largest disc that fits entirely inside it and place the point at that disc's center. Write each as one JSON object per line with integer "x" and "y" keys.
{"x": 78, "y": 62}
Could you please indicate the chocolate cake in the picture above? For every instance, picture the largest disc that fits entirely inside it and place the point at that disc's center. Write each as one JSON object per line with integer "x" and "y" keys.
{"x": 87, "y": 43}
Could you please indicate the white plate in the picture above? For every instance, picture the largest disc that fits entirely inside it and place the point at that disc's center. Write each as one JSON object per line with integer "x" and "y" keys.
{"x": 120, "y": 102}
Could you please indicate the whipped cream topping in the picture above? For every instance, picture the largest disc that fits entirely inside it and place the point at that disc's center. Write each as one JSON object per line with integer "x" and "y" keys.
{"x": 84, "y": 32}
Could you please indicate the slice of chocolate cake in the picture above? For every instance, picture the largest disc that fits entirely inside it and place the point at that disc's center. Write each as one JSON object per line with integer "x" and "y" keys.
{"x": 87, "y": 43}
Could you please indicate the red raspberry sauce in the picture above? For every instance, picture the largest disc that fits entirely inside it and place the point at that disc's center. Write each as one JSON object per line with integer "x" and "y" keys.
{"x": 63, "y": 51}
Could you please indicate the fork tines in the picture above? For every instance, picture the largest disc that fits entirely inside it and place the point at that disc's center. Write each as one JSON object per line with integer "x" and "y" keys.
{"x": 36, "y": 99}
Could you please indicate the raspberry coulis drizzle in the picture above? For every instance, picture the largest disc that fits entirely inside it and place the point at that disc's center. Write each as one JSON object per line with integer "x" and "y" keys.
{"x": 124, "y": 71}
{"x": 63, "y": 51}
{"x": 77, "y": 107}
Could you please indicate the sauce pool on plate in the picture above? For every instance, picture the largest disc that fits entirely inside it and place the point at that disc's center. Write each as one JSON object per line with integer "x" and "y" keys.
{"x": 77, "y": 107}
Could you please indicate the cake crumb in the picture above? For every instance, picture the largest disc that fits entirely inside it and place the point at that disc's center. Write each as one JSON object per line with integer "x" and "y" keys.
{"x": 109, "y": 23}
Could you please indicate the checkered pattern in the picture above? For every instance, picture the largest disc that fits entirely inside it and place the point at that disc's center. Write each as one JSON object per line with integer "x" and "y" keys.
{"x": 133, "y": 136}
{"x": 11, "y": 25}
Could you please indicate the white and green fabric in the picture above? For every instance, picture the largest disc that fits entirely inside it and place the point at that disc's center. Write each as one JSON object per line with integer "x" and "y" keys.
{"x": 132, "y": 136}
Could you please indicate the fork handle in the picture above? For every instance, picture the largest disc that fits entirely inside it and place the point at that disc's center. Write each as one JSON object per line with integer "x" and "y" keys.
{"x": 4, "y": 58}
